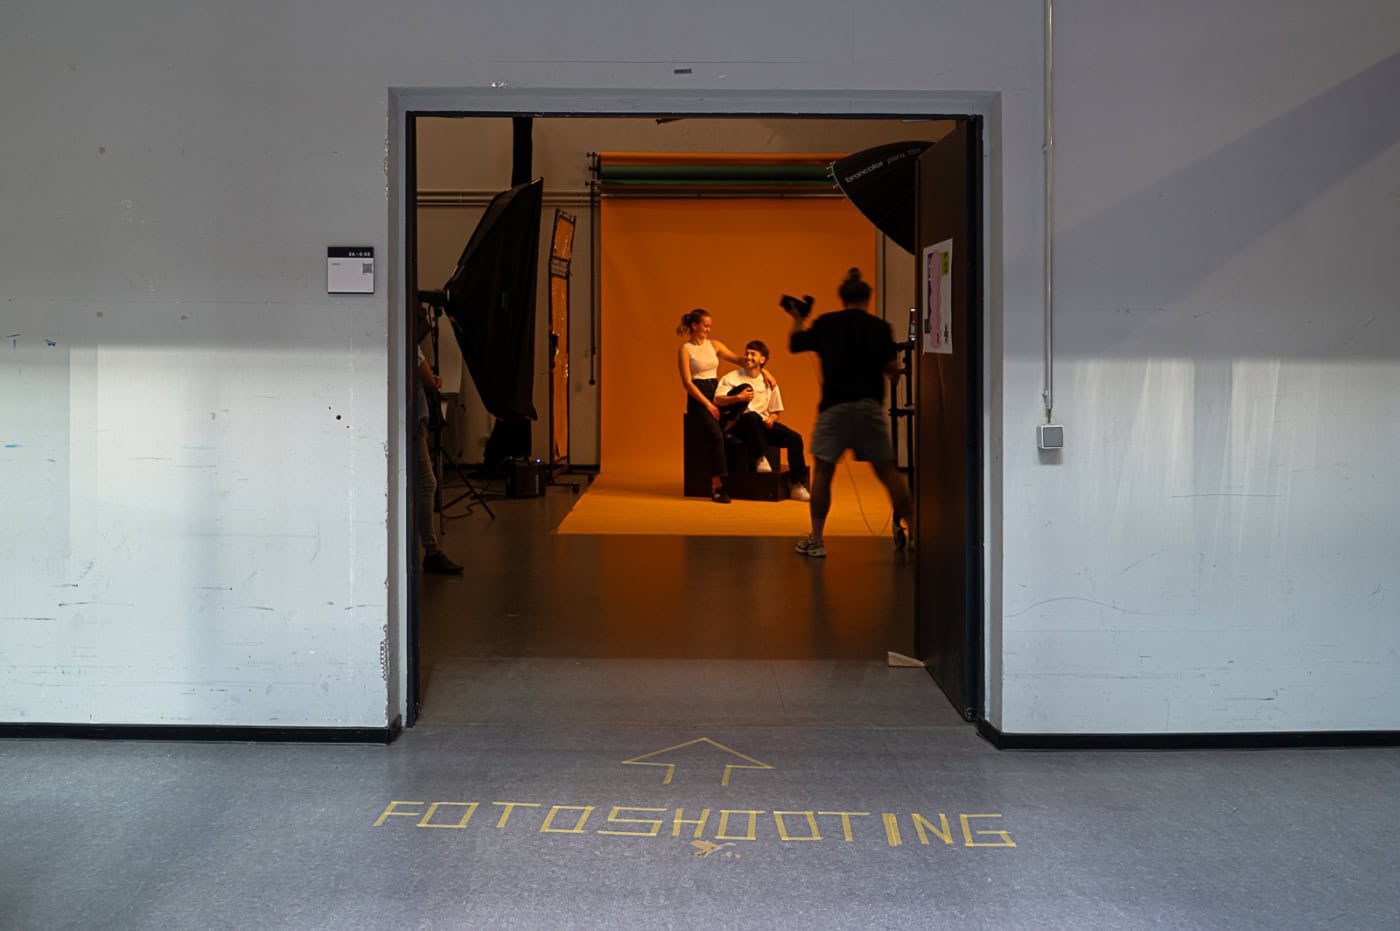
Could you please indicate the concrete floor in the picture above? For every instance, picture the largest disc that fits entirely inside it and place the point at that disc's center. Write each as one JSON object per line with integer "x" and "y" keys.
{"x": 644, "y": 732}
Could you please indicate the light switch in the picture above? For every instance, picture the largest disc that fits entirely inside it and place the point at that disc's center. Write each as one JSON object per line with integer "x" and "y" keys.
{"x": 1052, "y": 436}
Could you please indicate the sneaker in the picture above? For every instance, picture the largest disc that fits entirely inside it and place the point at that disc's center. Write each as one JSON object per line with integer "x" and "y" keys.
{"x": 800, "y": 493}
{"x": 720, "y": 496}
{"x": 901, "y": 537}
{"x": 809, "y": 547}
{"x": 438, "y": 564}
{"x": 763, "y": 465}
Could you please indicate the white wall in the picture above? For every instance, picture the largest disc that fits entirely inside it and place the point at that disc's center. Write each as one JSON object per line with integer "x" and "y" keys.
{"x": 208, "y": 543}
{"x": 1215, "y": 551}
{"x": 191, "y": 536}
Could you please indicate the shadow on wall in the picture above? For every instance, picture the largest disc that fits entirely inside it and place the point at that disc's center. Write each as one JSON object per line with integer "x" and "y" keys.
{"x": 1132, "y": 269}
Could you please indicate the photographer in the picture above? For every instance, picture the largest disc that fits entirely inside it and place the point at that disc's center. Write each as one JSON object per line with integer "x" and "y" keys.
{"x": 858, "y": 354}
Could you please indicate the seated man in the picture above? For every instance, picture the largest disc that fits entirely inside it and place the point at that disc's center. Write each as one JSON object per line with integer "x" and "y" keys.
{"x": 749, "y": 411}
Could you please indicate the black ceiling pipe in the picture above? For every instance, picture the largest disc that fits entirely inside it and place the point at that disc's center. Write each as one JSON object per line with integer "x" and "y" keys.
{"x": 521, "y": 150}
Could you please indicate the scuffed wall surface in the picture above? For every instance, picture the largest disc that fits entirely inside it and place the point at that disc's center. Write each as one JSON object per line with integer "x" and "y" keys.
{"x": 184, "y": 167}
{"x": 195, "y": 433}
{"x": 208, "y": 527}
{"x": 1216, "y": 550}
{"x": 191, "y": 537}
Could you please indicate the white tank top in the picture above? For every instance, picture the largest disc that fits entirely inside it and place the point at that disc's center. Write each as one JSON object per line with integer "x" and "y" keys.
{"x": 704, "y": 363}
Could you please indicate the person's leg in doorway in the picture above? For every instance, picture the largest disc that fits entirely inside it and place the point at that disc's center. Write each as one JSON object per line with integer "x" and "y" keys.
{"x": 870, "y": 440}
{"x": 819, "y": 507}
{"x": 434, "y": 559}
{"x": 900, "y": 500}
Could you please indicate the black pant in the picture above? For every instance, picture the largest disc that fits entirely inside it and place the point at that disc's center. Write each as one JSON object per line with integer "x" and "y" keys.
{"x": 757, "y": 438}
{"x": 714, "y": 436}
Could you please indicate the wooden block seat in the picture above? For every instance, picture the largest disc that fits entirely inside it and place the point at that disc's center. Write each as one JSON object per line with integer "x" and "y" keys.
{"x": 743, "y": 483}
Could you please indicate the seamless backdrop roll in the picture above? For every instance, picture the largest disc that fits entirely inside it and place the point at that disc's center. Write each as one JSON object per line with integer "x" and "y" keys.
{"x": 733, "y": 257}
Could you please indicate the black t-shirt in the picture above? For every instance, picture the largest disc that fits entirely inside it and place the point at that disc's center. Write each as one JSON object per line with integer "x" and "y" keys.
{"x": 854, "y": 347}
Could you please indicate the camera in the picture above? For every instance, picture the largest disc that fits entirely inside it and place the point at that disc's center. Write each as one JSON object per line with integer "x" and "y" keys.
{"x": 798, "y": 308}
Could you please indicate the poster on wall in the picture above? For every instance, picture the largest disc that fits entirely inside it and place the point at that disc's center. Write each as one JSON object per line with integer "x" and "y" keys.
{"x": 938, "y": 297}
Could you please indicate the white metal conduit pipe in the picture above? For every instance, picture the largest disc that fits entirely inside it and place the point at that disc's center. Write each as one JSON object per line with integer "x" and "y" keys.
{"x": 1049, "y": 79}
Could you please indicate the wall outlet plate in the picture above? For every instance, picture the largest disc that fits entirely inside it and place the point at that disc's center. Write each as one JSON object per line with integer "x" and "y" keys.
{"x": 1052, "y": 436}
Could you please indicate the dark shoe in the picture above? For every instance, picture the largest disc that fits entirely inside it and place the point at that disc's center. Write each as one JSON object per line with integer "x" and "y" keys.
{"x": 720, "y": 496}
{"x": 438, "y": 563}
{"x": 901, "y": 538}
{"x": 810, "y": 547}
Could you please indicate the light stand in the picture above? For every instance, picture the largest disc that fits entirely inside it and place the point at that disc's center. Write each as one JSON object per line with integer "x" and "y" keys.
{"x": 904, "y": 413}
{"x": 440, "y": 455}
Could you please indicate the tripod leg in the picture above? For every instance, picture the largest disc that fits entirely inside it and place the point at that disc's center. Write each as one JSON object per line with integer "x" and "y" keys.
{"x": 475, "y": 495}
{"x": 471, "y": 492}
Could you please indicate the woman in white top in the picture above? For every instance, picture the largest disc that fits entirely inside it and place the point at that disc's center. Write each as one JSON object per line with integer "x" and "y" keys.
{"x": 698, "y": 361}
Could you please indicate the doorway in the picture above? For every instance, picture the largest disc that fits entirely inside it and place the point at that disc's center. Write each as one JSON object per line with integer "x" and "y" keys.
{"x": 409, "y": 661}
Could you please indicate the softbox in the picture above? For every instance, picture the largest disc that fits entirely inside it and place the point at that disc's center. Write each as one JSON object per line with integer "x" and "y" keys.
{"x": 491, "y": 301}
{"x": 879, "y": 182}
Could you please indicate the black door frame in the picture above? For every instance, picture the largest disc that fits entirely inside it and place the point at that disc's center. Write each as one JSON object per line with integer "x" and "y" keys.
{"x": 955, "y": 650}
{"x": 406, "y": 108}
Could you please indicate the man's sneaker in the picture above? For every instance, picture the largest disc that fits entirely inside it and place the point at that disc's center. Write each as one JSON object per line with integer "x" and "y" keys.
{"x": 800, "y": 493}
{"x": 437, "y": 563}
{"x": 720, "y": 496}
{"x": 901, "y": 537}
{"x": 809, "y": 547}
{"x": 763, "y": 465}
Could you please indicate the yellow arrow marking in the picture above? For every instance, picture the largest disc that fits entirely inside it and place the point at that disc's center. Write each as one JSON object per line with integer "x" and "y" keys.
{"x": 671, "y": 767}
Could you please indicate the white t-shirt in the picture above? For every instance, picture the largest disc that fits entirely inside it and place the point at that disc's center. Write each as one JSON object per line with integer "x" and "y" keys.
{"x": 765, "y": 400}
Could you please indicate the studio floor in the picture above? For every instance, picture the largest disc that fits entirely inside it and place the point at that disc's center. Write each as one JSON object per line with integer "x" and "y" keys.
{"x": 633, "y": 730}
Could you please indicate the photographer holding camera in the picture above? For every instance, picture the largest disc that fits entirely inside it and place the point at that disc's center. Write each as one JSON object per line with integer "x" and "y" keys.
{"x": 858, "y": 354}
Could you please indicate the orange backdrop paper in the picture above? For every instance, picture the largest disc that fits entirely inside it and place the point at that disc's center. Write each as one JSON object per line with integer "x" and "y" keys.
{"x": 733, "y": 257}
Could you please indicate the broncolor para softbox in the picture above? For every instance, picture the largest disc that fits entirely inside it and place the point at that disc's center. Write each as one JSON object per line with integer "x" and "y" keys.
{"x": 880, "y": 183}
{"x": 491, "y": 301}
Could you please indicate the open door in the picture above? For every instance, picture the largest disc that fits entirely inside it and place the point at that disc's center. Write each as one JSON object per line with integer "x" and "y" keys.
{"x": 948, "y": 451}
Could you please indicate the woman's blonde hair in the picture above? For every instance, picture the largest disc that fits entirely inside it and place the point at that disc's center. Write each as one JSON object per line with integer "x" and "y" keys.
{"x": 689, "y": 320}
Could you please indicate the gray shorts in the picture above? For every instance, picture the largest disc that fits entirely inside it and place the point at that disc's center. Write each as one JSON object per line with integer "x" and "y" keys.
{"x": 861, "y": 426}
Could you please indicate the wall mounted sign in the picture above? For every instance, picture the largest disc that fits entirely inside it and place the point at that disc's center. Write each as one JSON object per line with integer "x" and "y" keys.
{"x": 349, "y": 269}
{"x": 937, "y": 325}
